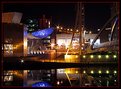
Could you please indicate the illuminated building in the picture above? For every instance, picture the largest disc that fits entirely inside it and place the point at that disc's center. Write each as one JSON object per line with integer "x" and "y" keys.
{"x": 63, "y": 40}
{"x": 14, "y": 41}
{"x": 32, "y": 77}
{"x": 44, "y": 22}
{"x": 11, "y": 17}
{"x": 43, "y": 33}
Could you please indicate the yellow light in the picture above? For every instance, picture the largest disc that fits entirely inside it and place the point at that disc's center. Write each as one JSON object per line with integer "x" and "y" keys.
{"x": 91, "y": 56}
{"x": 76, "y": 56}
{"x": 92, "y": 72}
{"x": 107, "y": 71}
{"x": 68, "y": 71}
{"x": 99, "y": 56}
{"x": 107, "y": 56}
{"x": 76, "y": 72}
{"x": 99, "y": 71}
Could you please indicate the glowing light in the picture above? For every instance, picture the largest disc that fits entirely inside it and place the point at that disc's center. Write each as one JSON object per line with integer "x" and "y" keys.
{"x": 71, "y": 29}
{"x": 107, "y": 56}
{"x": 84, "y": 71}
{"x": 99, "y": 71}
{"x": 57, "y": 27}
{"x": 115, "y": 72}
{"x": 58, "y": 83}
{"x": 77, "y": 30}
{"x": 91, "y": 56}
{"x": 76, "y": 56}
{"x": 37, "y": 52}
{"x": 34, "y": 52}
{"x": 61, "y": 27}
{"x": 90, "y": 32}
{"x": 22, "y": 61}
{"x": 76, "y": 72}
{"x": 40, "y": 52}
{"x": 84, "y": 56}
{"x": 114, "y": 56}
{"x": 92, "y": 72}
{"x": 43, "y": 33}
{"x": 107, "y": 71}
{"x": 99, "y": 56}
{"x": 41, "y": 84}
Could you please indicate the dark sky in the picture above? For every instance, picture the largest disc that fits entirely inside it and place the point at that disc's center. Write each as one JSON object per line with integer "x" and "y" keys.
{"x": 96, "y": 14}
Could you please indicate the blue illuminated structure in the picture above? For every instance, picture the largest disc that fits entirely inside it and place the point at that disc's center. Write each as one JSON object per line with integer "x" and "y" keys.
{"x": 43, "y": 33}
{"x": 41, "y": 84}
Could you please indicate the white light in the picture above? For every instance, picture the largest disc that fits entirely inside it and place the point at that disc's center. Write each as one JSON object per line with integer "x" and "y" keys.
{"x": 58, "y": 82}
{"x": 84, "y": 56}
{"x": 22, "y": 61}
{"x": 40, "y": 52}
{"x": 57, "y": 27}
{"x": 43, "y": 52}
{"x": 107, "y": 56}
{"x": 84, "y": 71}
{"x": 90, "y": 32}
{"x": 37, "y": 52}
{"x": 114, "y": 56}
{"x": 115, "y": 72}
{"x": 34, "y": 52}
{"x": 31, "y": 52}
{"x": 107, "y": 71}
{"x": 92, "y": 72}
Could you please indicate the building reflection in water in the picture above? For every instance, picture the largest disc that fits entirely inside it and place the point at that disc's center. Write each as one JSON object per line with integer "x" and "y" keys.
{"x": 62, "y": 77}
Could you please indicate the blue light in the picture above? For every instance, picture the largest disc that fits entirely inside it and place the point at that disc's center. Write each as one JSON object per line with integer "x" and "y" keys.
{"x": 41, "y": 84}
{"x": 43, "y": 33}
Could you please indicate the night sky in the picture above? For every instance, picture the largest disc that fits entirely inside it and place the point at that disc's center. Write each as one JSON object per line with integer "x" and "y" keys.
{"x": 64, "y": 14}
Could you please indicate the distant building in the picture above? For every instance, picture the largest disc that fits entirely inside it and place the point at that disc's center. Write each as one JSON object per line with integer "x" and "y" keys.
{"x": 65, "y": 39}
{"x": 14, "y": 41}
{"x": 11, "y": 17}
{"x": 45, "y": 22}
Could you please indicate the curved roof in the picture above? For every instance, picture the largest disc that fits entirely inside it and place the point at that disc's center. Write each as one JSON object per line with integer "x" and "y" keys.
{"x": 43, "y": 33}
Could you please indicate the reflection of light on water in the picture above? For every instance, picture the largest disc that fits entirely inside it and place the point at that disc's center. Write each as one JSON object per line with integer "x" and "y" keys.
{"x": 41, "y": 84}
